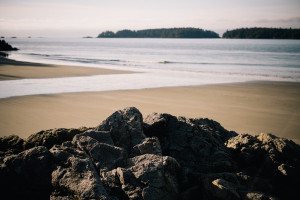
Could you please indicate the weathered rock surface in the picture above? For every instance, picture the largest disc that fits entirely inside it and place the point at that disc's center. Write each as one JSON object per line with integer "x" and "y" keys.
{"x": 14, "y": 144}
{"x": 160, "y": 157}
{"x": 26, "y": 175}
{"x": 272, "y": 164}
{"x": 51, "y": 137}
{"x": 104, "y": 156}
{"x": 125, "y": 128}
{"x": 74, "y": 175}
{"x": 11, "y": 145}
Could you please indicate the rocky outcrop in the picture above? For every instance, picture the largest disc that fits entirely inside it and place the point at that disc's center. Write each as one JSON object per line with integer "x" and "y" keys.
{"x": 74, "y": 175}
{"x": 14, "y": 144}
{"x": 125, "y": 128}
{"x": 4, "y": 46}
{"x": 51, "y": 137}
{"x": 26, "y": 175}
{"x": 159, "y": 157}
{"x": 270, "y": 165}
{"x": 11, "y": 145}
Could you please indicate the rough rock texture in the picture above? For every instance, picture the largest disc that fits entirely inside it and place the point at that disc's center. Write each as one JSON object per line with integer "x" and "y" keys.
{"x": 197, "y": 145}
{"x": 125, "y": 128}
{"x": 14, "y": 144}
{"x": 160, "y": 157}
{"x": 74, "y": 175}
{"x": 270, "y": 164}
{"x": 51, "y": 137}
{"x": 11, "y": 145}
{"x": 26, "y": 175}
{"x": 96, "y": 150}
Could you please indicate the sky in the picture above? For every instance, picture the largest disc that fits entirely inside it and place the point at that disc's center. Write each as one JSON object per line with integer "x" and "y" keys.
{"x": 78, "y": 18}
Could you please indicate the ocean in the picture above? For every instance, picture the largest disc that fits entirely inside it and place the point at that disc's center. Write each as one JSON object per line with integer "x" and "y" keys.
{"x": 160, "y": 63}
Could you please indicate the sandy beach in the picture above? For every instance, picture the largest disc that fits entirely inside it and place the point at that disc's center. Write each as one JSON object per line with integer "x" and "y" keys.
{"x": 251, "y": 107}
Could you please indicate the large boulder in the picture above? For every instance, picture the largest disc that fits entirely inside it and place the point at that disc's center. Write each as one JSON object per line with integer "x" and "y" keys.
{"x": 104, "y": 156}
{"x": 12, "y": 144}
{"x": 27, "y": 175}
{"x": 147, "y": 176}
{"x": 191, "y": 142}
{"x": 196, "y": 144}
{"x": 271, "y": 163}
{"x": 131, "y": 166}
{"x": 223, "y": 189}
{"x": 52, "y": 137}
{"x": 150, "y": 145}
{"x": 100, "y": 136}
{"x": 74, "y": 175}
{"x": 125, "y": 128}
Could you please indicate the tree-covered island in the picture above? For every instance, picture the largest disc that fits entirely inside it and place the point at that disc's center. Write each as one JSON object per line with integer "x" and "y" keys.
{"x": 263, "y": 33}
{"x": 161, "y": 33}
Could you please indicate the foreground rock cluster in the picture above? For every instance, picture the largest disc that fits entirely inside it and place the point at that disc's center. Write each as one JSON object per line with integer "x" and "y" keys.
{"x": 159, "y": 157}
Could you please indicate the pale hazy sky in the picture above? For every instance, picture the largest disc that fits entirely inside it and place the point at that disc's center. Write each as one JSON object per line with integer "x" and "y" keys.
{"x": 77, "y": 18}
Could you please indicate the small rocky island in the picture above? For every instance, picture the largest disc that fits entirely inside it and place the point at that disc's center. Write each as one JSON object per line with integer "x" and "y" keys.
{"x": 161, "y": 33}
{"x": 158, "y": 157}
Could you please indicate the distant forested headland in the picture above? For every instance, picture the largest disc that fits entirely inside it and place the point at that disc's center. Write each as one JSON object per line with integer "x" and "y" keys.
{"x": 161, "y": 33}
{"x": 263, "y": 33}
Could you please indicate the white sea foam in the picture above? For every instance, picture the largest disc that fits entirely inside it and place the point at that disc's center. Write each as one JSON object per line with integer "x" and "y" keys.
{"x": 117, "y": 82}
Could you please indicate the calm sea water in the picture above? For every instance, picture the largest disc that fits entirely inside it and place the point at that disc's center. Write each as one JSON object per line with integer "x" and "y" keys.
{"x": 163, "y": 63}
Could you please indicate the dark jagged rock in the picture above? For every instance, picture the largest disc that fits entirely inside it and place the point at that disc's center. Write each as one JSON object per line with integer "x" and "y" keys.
{"x": 27, "y": 175}
{"x": 100, "y": 136}
{"x": 149, "y": 145}
{"x": 74, "y": 175}
{"x": 11, "y": 145}
{"x": 96, "y": 150}
{"x": 149, "y": 176}
{"x": 197, "y": 144}
{"x": 4, "y": 46}
{"x": 125, "y": 128}
{"x": 161, "y": 157}
{"x": 223, "y": 189}
{"x": 130, "y": 155}
{"x": 51, "y": 137}
{"x": 272, "y": 164}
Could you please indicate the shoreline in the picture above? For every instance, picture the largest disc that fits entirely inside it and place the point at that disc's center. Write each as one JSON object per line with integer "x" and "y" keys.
{"x": 16, "y": 70}
{"x": 249, "y": 107}
{"x": 245, "y": 107}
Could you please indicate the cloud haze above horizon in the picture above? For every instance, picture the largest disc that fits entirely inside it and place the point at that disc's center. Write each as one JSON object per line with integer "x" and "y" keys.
{"x": 77, "y": 18}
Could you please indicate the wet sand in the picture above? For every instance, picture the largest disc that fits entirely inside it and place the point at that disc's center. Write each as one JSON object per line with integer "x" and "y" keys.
{"x": 11, "y": 70}
{"x": 253, "y": 107}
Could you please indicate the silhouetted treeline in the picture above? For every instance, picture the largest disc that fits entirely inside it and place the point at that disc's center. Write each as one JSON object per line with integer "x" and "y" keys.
{"x": 161, "y": 33}
{"x": 263, "y": 33}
